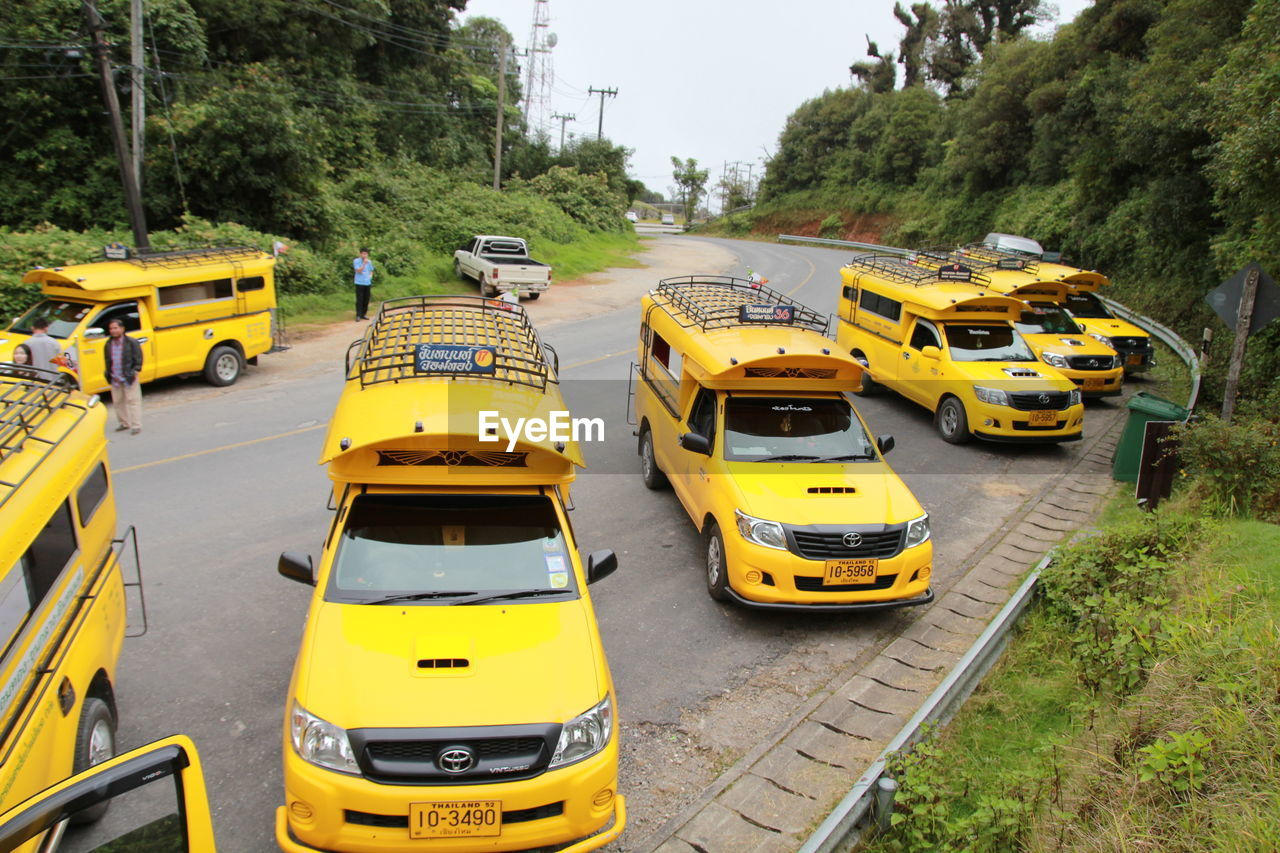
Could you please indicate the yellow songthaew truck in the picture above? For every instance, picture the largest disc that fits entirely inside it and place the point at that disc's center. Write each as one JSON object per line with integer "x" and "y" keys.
{"x": 451, "y": 691}
{"x": 62, "y": 594}
{"x": 193, "y": 311}
{"x": 926, "y": 332}
{"x": 740, "y": 406}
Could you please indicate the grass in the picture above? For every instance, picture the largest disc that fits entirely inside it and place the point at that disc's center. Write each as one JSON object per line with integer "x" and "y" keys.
{"x": 434, "y": 275}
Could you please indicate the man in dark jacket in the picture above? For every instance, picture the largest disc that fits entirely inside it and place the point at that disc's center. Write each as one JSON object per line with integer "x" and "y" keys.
{"x": 123, "y": 358}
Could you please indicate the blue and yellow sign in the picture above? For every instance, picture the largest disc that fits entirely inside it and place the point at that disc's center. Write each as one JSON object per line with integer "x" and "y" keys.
{"x": 453, "y": 358}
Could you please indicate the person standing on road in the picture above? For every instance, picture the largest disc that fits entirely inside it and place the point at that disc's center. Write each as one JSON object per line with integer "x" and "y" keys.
{"x": 123, "y": 357}
{"x": 44, "y": 349}
{"x": 364, "y": 283}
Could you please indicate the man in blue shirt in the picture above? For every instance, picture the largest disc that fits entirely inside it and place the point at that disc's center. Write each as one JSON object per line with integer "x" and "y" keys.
{"x": 364, "y": 283}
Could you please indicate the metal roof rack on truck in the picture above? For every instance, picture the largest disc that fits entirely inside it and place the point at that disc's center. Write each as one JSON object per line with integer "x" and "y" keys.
{"x": 717, "y": 302}
{"x": 983, "y": 254}
{"x": 907, "y": 271}
{"x": 29, "y": 397}
{"x": 179, "y": 258}
{"x": 455, "y": 337}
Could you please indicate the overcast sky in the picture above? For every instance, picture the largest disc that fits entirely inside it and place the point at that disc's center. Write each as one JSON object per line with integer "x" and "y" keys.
{"x": 709, "y": 79}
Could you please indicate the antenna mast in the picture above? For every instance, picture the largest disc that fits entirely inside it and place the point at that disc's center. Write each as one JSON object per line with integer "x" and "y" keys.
{"x": 538, "y": 80}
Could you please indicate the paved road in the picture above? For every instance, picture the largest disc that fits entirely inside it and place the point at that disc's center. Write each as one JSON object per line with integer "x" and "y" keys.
{"x": 220, "y": 483}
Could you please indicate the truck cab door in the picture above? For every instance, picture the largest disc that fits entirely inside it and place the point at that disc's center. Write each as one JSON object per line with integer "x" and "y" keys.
{"x": 157, "y": 801}
{"x": 693, "y": 468}
{"x": 917, "y": 374}
{"x": 95, "y": 338}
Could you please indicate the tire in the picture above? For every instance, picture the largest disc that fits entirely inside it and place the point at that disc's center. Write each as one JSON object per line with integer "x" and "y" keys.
{"x": 535, "y": 294}
{"x": 952, "y": 422}
{"x": 487, "y": 289}
{"x": 223, "y": 366}
{"x": 870, "y": 387}
{"x": 717, "y": 571}
{"x": 95, "y": 743}
{"x": 649, "y": 471}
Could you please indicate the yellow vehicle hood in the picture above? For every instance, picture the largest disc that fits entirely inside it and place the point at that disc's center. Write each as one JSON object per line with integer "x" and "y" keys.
{"x": 1081, "y": 344}
{"x": 780, "y": 491}
{"x": 1003, "y": 374}
{"x": 1113, "y": 327}
{"x": 527, "y": 663}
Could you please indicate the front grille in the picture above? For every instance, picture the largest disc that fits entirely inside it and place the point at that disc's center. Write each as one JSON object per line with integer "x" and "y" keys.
{"x": 1029, "y": 401}
{"x": 814, "y": 544}
{"x": 419, "y": 756}
{"x": 1131, "y": 344}
{"x": 399, "y": 821}
{"x": 1023, "y": 425}
{"x": 808, "y": 584}
{"x": 1090, "y": 362}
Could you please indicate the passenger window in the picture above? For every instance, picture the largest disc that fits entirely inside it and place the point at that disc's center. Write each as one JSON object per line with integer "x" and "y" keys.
{"x": 200, "y": 291}
{"x": 15, "y": 604}
{"x": 49, "y": 554}
{"x": 702, "y": 418}
{"x": 253, "y": 282}
{"x": 882, "y": 305}
{"x": 925, "y": 335}
{"x": 91, "y": 493}
{"x": 125, "y": 312}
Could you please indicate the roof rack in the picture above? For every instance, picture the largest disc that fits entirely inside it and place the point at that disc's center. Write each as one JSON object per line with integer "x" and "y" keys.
{"x": 180, "y": 258}
{"x": 29, "y": 396}
{"x": 907, "y": 271}
{"x": 417, "y": 336}
{"x": 720, "y": 302}
{"x": 990, "y": 257}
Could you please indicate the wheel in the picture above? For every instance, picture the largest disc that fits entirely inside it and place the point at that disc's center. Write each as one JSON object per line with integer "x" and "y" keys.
{"x": 95, "y": 743}
{"x": 649, "y": 470}
{"x": 717, "y": 574}
{"x": 487, "y": 289}
{"x": 223, "y": 366}
{"x": 535, "y": 294}
{"x": 953, "y": 424}
{"x": 869, "y": 385}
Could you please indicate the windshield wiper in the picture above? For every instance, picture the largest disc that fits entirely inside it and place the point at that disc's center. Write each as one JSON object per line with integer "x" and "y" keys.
{"x": 848, "y": 457}
{"x": 787, "y": 457}
{"x": 420, "y": 596}
{"x": 519, "y": 593}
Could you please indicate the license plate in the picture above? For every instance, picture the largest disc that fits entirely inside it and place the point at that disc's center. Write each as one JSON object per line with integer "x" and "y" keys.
{"x": 1042, "y": 418}
{"x": 1134, "y": 359}
{"x": 1093, "y": 383}
{"x": 841, "y": 572}
{"x": 456, "y": 819}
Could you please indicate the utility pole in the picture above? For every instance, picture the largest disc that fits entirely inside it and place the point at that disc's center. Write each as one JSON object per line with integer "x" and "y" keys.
{"x": 612, "y": 93}
{"x": 132, "y": 198}
{"x": 138, "y": 112}
{"x": 563, "y": 119}
{"x": 502, "y": 96}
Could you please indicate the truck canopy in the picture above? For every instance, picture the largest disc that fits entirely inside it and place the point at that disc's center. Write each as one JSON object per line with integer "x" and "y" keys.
{"x": 136, "y": 277}
{"x": 944, "y": 293}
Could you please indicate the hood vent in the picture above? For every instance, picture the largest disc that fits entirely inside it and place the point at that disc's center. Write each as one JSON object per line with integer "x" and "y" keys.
{"x": 1020, "y": 371}
{"x": 444, "y": 663}
{"x": 832, "y": 490}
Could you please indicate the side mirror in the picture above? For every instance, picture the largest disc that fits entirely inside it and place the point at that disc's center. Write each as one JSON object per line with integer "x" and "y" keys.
{"x": 601, "y": 564}
{"x": 297, "y": 567}
{"x": 696, "y": 443}
{"x": 885, "y": 443}
{"x": 95, "y": 332}
{"x": 931, "y": 352}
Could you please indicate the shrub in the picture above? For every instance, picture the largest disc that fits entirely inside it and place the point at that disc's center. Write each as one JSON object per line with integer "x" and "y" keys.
{"x": 1235, "y": 466}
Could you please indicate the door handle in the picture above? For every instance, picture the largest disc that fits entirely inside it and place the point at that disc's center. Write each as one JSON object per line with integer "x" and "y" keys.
{"x": 907, "y": 356}
{"x": 142, "y": 340}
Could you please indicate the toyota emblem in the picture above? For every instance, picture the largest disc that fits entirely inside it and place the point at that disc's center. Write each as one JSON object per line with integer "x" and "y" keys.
{"x": 1044, "y": 398}
{"x": 455, "y": 760}
{"x": 852, "y": 540}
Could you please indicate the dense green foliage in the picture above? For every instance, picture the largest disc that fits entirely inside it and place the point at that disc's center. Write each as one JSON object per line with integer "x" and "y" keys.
{"x": 328, "y": 125}
{"x": 1142, "y": 139}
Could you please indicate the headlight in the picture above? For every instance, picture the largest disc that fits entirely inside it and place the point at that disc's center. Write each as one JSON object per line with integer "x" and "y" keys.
{"x": 1073, "y": 397}
{"x": 321, "y": 742}
{"x": 1102, "y": 339}
{"x": 757, "y": 530}
{"x": 1117, "y": 360}
{"x": 1054, "y": 360}
{"x": 584, "y": 735}
{"x": 994, "y": 396}
{"x": 917, "y": 531}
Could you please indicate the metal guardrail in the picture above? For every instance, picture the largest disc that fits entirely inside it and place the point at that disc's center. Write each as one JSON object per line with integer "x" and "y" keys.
{"x": 870, "y": 247}
{"x": 845, "y": 824}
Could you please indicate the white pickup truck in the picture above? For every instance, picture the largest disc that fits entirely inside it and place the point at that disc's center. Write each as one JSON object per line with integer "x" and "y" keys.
{"x": 500, "y": 265}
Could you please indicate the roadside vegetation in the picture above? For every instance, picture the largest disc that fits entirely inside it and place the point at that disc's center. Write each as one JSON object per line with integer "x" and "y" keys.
{"x": 1138, "y": 706}
{"x": 1141, "y": 139}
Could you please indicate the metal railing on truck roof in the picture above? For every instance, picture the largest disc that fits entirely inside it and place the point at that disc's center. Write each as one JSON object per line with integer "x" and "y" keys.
{"x": 716, "y": 302}
{"x": 904, "y": 270}
{"x": 391, "y": 349}
{"x": 29, "y": 396}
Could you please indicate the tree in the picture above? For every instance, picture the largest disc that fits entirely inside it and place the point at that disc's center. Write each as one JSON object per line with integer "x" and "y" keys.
{"x": 690, "y": 183}
{"x": 878, "y": 76}
{"x": 922, "y": 31}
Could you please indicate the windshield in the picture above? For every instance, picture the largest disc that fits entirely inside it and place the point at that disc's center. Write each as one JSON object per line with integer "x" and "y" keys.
{"x": 1047, "y": 319}
{"x": 781, "y": 429}
{"x": 1088, "y": 306}
{"x": 986, "y": 342}
{"x": 438, "y": 549}
{"x": 63, "y": 317}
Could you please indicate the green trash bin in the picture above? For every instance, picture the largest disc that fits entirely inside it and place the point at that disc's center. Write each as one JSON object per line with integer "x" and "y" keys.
{"x": 1143, "y": 408}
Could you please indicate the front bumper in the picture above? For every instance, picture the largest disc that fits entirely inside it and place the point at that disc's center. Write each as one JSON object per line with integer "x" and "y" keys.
{"x": 1012, "y": 426}
{"x": 350, "y": 814}
{"x": 850, "y": 607}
